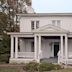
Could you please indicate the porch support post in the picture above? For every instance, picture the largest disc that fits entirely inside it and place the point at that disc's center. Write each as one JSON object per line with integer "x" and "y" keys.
{"x": 66, "y": 47}
{"x": 39, "y": 53}
{"x": 35, "y": 46}
{"x": 16, "y": 47}
{"x": 12, "y": 46}
{"x": 62, "y": 47}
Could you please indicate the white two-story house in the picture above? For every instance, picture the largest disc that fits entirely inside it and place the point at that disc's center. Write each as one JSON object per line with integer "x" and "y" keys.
{"x": 43, "y": 37}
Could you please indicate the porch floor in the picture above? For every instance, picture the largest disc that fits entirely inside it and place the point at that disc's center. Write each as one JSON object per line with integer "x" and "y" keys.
{"x": 50, "y": 60}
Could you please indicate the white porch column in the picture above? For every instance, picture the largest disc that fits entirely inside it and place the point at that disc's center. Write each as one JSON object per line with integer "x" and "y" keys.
{"x": 16, "y": 47}
{"x": 39, "y": 53}
{"x": 35, "y": 46}
{"x": 12, "y": 46}
{"x": 66, "y": 47}
{"x": 62, "y": 47}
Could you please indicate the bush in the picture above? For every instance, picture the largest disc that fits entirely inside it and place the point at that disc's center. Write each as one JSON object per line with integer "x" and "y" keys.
{"x": 57, "y": 67}
{"x": 31, "y": 67}
{"x": 4, "y": 58}
{"x": 46, "y": 67}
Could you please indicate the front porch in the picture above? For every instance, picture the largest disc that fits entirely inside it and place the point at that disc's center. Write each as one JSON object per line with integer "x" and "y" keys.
{"x": 43, "y": 48}
{"x": 43, "y": 43}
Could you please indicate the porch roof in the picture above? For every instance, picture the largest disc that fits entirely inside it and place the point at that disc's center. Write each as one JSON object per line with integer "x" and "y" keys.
{"x": 21, "y": 34}
{"x": 50, "y": 29}
{"x": 47, "y": 29}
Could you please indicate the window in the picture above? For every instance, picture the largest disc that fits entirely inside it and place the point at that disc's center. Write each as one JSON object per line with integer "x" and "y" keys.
{"x": 37, "y": 24}
{"x": 32, "y": 46}
{"x": 32, "y": 25}
{"x": 53, "y": 22}
{"x": 56, "y": 23}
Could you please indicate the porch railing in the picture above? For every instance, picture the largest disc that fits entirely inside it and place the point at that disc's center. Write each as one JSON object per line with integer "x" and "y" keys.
{"x": 26, "y": 54}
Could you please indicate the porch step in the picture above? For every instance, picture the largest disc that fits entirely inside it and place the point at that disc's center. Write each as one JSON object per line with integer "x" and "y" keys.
{"x": 69, "y": 61}
{"x": 50, "y": 60}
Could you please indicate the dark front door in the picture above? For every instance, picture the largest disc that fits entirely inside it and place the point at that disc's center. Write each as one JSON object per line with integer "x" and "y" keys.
{"x": 56, "y": 49}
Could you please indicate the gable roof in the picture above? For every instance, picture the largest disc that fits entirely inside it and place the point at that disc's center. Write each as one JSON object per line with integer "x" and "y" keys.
{"x": 50, "y": 29}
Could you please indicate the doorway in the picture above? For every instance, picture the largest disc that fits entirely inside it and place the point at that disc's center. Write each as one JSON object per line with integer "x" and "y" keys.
{"x": 56, "y": 49}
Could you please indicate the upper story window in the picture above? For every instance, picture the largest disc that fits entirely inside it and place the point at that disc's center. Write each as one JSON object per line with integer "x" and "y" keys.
{"x": 53, "y": 22}
{"x": 34, "y": 25}
{"x": 56, "y": 22}
{"x": 37, "y": 24}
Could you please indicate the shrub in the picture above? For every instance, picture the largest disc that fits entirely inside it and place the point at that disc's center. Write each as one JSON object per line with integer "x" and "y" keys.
{"x": 40, "y": 67}
{"x": 57, "y": 67}
{"x": 4, "y": 58}
{"x": 46, "y": 67}
{"x": 31, "y": 67}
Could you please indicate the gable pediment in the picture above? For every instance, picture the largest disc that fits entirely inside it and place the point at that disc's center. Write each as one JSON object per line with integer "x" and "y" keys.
{"x": 51, "y": 29}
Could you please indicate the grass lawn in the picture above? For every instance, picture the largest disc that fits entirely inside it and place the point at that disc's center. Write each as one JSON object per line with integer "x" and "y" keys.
{"x": 11, "y": 69}
{"x": 20, "y": 69}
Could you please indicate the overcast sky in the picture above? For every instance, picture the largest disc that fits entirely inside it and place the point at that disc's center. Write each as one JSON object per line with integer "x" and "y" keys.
{"x": 50, "y": 6}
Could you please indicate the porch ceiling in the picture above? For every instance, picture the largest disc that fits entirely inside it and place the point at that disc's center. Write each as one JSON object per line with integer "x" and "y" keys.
{"x": 50, "y": 29}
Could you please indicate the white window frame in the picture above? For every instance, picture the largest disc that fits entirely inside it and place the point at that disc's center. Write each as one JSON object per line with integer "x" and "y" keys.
{"x": 32, "y": 25}
{"x": 58, "y": 23}
{"x": 55, "y": 23}
{"x": 36, "y": 25}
